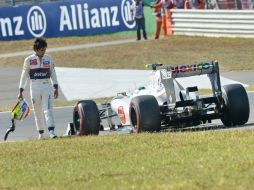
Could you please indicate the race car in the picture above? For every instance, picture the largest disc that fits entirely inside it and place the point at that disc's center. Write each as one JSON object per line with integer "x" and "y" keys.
{"x": 165, "y": 103}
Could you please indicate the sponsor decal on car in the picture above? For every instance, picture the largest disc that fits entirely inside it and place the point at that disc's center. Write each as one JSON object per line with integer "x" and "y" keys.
{"x": 190, "y": 68}
{"x": 121, "y": 114}
{"x": 166, "y": 74}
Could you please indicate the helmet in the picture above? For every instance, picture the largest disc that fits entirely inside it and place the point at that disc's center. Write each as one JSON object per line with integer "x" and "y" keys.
{"x": 21, "y": 110}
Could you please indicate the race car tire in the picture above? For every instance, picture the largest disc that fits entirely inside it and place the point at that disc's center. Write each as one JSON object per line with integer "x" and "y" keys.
{"x": 86, "y": 118}
{"x": 145, "y": 114}
{"x": 236, "y": 105}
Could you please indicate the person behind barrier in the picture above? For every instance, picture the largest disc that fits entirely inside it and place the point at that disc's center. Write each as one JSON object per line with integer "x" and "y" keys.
{"x": 161, "y": 8}
{"x": 138, "y": 14}
{"x": 158, "y": 17}
{"x": 194, "y": 4}
{"x": 179, "y": 4}
{"x": 39, "y": 68}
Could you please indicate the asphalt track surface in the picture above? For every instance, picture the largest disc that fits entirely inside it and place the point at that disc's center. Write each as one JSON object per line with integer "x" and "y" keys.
{"x": 9, "y": 81}
{"x": 26, "y": 130}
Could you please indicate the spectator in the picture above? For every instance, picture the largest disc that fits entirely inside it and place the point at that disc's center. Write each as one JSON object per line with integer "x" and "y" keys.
{"x": 199, "y": 4}
{"x": 161, "y": 8}
{"x": 187, "y": 4}
{"x": 194, "y": 4}
{"x": 211, "y": 4}
{"x": 179, "y": 4}
{"x": 158, "y": 17}
{"x": 138, "y": 14}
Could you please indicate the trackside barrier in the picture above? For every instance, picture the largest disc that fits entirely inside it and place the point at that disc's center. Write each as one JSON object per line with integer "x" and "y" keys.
{"x": 216, "y": 23}
{"x": 68, "y": 18}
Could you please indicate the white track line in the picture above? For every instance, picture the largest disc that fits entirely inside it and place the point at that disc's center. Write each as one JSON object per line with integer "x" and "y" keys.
{"x": 67, "y": 48}
{"x": 4, "y": 112}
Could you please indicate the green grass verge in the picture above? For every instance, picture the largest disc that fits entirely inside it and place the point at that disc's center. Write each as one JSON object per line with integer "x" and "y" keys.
{"x": 214, "y": 160}
{"x": 232, "y": 53}
{"x": 203, "y": 160}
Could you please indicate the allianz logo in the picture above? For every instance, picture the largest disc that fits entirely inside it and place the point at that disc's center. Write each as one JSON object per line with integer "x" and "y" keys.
{"x": 126, "y": 13}
{"x": 35, "y": 20}
{"x": 80, "y": 16}
{"x": 72, "y": 17}
{"x": 11, "y": 26}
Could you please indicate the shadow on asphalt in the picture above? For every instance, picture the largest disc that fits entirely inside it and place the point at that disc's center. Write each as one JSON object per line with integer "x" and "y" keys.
{"x": 207, "y": 127}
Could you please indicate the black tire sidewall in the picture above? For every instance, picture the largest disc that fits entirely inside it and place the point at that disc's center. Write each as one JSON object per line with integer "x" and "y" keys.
{"x": 147, "y": 113}
{"x": 236, "y": 102}
{"x": 88, "y": 113}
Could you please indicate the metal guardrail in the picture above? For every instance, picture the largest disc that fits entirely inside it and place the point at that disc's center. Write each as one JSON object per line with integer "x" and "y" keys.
{"x": 218, "y": 23}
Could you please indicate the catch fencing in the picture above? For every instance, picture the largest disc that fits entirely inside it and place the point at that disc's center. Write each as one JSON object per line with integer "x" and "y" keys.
{"x": 209, "y": 4}
{"x": 6, "y": 3}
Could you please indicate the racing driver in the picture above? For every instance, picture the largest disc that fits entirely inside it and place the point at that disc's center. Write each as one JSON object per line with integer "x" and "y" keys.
{"x": 39, "y": 68}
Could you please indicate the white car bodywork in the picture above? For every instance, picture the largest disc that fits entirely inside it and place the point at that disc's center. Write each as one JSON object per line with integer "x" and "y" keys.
{"x": 165, "y": 104}
{"x": 121, "y": 103}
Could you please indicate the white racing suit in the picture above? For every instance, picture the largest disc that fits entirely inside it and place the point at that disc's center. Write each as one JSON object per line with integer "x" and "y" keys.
{"x": 41, "y": 73}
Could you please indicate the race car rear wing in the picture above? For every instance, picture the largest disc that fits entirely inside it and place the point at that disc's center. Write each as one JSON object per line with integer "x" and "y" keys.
{"x": 169, "y": 73}
{"x": 186, "y": 70}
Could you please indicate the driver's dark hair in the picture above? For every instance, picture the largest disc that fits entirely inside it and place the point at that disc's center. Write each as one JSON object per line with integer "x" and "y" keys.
{"x": 39, "y": 43}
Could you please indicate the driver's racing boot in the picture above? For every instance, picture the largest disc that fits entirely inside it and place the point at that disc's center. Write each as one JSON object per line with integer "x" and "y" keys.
{"x": 41, "y": 136}
{"x": 52, "y": 134}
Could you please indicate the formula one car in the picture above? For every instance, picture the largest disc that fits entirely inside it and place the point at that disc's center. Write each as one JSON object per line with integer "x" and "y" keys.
{"x": 165, "y": 104}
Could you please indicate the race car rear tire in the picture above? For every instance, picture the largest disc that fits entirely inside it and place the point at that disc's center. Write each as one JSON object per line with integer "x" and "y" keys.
{"x": 236, "y": 105}
{"x": 145, "y": 114}
{"x": 86, "y": 118}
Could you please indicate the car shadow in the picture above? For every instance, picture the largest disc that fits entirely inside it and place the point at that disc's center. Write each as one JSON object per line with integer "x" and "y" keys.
{"x": 210, "y": 126}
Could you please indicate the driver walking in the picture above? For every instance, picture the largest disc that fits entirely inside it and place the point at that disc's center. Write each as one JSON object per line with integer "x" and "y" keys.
{"x": 39, "y": 68}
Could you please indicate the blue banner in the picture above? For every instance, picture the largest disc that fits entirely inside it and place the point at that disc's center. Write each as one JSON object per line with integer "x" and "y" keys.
{"x": 70, "y": 18}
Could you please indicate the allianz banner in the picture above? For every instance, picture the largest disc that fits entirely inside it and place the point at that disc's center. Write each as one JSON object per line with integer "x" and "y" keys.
{"x": 70, "y": 18}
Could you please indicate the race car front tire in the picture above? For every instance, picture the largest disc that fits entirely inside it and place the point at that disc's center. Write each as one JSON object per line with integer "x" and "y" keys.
{"x": 86, "y": 118}
{"x": 236, "y": 105}
{"x": 145, "y": 114}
